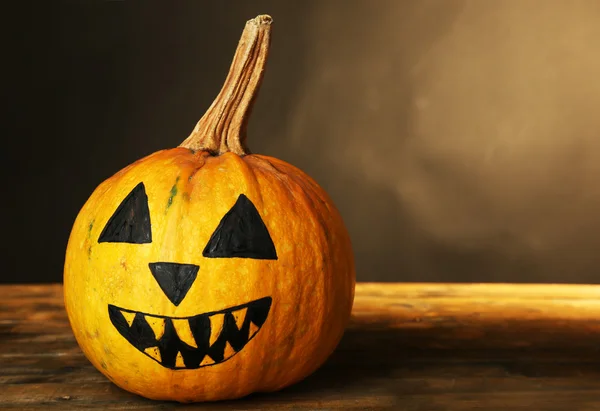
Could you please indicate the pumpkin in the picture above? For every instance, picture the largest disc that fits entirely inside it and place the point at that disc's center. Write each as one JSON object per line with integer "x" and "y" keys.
{"x": 205, "y": 272}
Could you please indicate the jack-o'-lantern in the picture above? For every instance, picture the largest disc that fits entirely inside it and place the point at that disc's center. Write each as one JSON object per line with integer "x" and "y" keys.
{"x": 205, "y": 272}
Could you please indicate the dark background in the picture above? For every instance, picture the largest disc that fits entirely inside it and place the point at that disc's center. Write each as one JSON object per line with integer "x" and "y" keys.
{"x": 459, "y": 139}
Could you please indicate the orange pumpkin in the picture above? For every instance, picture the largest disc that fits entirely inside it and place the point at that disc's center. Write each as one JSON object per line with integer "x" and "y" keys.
{"x": 205, "y": 272}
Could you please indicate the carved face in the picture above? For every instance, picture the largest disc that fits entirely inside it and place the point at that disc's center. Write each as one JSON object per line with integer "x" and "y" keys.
{"x": 208, "y": 276}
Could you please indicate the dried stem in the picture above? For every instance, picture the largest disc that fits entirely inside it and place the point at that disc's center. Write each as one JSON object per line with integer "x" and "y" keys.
{"x": 223, "y": 126}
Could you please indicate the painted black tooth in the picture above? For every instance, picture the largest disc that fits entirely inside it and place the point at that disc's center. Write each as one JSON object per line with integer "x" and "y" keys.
{"x": 217, "y": 350}
{"x": 200, "y": 326}
{"x": 117, "y": 319}
{"x": 140, "y": 335}
{"x": 191, "y": 356}
{"x": 259, "y": 310}
{"x": 169, "y": 345}
{"x": 237, "y": 338}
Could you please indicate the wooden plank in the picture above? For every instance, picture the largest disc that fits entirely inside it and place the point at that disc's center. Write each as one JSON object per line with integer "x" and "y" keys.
{"x": 409, "y": 346}
{"x": 501, "y": 315}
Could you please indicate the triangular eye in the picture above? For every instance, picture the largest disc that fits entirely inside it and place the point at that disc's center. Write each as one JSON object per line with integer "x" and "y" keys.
{"x": 241, "y": 233}
{"x": 130, "y": 223}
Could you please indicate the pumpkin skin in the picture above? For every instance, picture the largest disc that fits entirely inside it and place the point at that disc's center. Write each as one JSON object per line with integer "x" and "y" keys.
{"x": 311, "y": 283}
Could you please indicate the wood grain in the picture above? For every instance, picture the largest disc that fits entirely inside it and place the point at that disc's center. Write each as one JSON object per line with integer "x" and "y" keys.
{"x": 408, "y": 347}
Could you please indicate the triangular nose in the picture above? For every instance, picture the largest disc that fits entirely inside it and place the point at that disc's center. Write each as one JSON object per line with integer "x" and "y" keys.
{"x": 174, "y": 279}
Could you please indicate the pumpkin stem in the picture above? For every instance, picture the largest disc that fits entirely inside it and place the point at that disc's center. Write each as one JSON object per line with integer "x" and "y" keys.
{"x": 223, "y": 126}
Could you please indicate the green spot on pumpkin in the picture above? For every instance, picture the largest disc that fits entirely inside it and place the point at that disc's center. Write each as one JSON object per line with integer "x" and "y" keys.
{"x": 89, "y": 252}
{"x": 90, "y": 228}
{"x": 172, "y": 194}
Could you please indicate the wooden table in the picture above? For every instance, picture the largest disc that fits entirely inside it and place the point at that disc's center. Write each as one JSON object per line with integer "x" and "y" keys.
{"x": 410, "y": 347}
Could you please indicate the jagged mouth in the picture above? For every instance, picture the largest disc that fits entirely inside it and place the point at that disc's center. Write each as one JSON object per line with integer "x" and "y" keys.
{"x": 191, "y": 342}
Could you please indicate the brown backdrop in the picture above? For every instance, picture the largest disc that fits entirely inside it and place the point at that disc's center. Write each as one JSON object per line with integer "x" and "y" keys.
{"x": 459, "y": 139}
